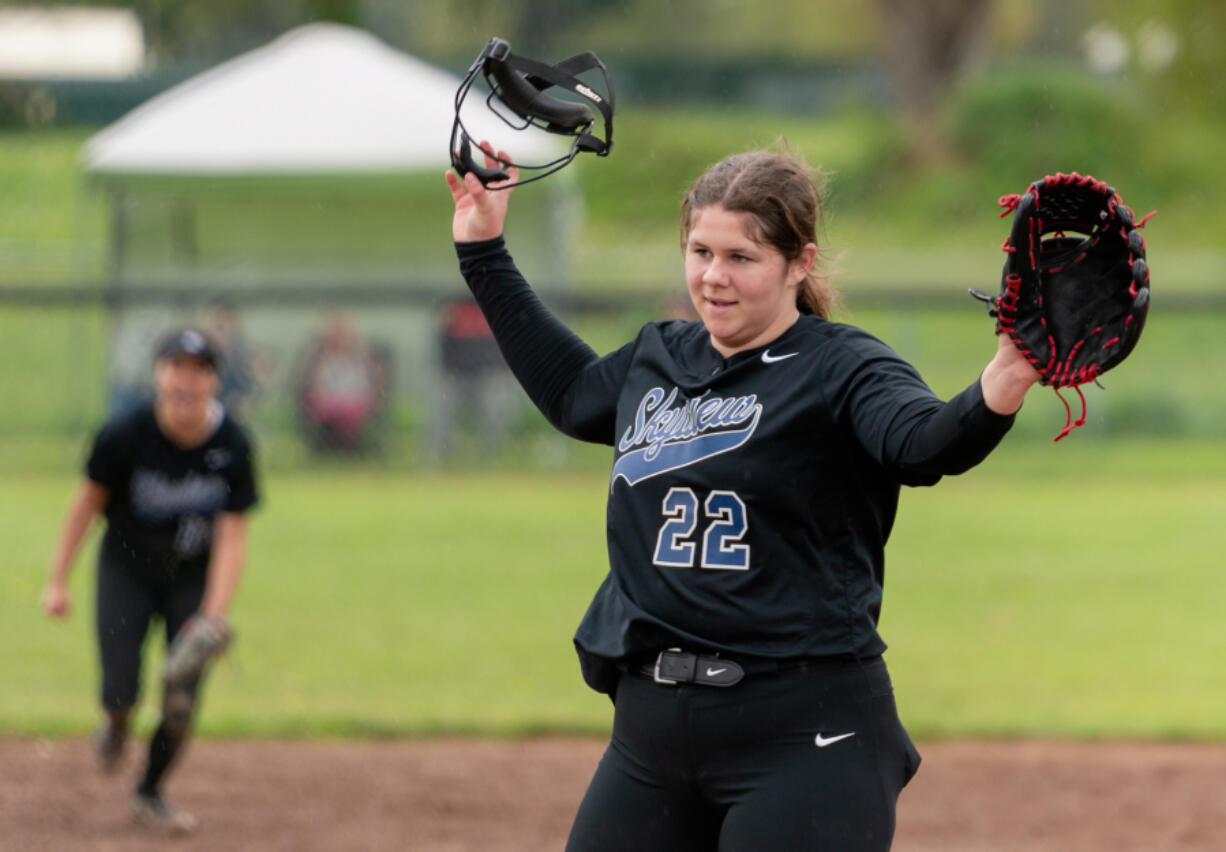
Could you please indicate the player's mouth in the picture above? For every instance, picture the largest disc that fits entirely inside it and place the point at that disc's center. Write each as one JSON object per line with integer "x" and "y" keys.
{"x": 184, "y": 402}
{"x": 718, "y": 306}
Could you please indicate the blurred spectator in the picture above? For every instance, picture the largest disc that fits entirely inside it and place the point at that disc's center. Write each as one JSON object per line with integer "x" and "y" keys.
{"x": 474, "y": 383}
{"x": 343, "y": 388}
{"x": 238, "y": 369}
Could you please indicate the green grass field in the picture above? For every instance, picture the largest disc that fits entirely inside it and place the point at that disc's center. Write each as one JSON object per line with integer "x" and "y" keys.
{"x": 1069, "y": 590}
{"x": 1072, "y": 591}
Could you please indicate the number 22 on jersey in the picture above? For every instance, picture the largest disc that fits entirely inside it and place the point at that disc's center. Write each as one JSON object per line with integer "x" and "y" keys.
{"x": 724, "y": 524}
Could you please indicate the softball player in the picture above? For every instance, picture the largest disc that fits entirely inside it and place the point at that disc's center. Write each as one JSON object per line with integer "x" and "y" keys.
{"x": 758, "y": 456}
{"x": 173, "y": 479}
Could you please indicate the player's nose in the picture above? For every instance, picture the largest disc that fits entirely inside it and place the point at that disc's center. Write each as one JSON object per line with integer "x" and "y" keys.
{"x": 716, "y": 272}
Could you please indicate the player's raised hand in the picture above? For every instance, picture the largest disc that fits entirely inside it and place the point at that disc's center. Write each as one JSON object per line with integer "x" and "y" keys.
{"x": 479, "y": 213}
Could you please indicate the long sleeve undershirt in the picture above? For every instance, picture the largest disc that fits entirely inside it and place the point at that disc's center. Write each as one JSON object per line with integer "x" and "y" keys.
{"x": 923, "y": 438}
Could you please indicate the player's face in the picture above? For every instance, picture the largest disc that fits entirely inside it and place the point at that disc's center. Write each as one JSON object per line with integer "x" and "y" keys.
{"x": 744, "y": 291}
{"x": 184, "y": 388}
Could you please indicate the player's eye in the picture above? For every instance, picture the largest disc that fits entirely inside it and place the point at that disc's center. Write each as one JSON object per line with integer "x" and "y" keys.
{"x": 699, "y": 251}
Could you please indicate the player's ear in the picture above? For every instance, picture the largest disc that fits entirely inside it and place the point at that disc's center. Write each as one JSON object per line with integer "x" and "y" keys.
{"x": 800, "y": 267}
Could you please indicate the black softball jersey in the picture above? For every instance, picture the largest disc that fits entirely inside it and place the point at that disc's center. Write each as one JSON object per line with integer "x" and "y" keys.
{"x": 751, "y": 497}
{"x": 163, "y": 498}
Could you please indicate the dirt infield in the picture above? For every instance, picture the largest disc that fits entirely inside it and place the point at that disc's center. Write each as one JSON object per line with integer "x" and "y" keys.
{"x": 461, "y": 795}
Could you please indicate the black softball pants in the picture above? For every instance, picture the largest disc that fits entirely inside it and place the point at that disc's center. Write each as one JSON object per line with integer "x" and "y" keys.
{"x": 778, "y": 763}
{"x": 127, "y": 601}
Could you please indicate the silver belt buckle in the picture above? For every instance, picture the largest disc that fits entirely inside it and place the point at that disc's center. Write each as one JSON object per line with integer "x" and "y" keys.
{"x": 656, "y": 674}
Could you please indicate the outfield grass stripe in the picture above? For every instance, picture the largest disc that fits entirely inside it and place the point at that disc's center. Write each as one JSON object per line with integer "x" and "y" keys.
{"x": 1018, "y": 602}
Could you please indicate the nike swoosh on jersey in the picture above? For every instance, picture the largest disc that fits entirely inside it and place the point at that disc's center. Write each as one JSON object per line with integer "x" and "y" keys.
{"x": 822, "y": 742}
{"x": 768, "y": 358}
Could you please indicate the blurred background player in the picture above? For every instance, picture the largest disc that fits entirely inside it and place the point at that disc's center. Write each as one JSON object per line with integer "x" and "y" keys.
{"x": 758, "y": 457}
{"x": 174, "y": 479}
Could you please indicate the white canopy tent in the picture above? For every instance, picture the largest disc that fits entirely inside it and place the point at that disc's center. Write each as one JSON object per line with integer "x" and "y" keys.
{"x": 321, "y": 98}
{"x": 326, "y": 107}
{"x": 305, "y": 174}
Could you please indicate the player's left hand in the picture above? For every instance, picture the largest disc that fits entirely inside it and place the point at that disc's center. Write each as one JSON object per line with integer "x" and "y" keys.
{"x": 479, "y": 213}
{"x": 1012, "y": 358}
{"x": 1007, "y": 377}
{"x": 200, "y": 639}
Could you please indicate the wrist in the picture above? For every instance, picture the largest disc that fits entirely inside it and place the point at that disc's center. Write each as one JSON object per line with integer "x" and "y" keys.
{"x": 211, "y": 610}
{"x": 1005, "y": 382}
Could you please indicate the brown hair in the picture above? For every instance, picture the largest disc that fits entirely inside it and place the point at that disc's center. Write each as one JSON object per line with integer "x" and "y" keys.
{"x": 784, "y": 197}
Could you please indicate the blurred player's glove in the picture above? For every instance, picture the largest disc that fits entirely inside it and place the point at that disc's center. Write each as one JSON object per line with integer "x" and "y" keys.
{"x": 200, "y": 639}
{"x": 1074, "y": 293}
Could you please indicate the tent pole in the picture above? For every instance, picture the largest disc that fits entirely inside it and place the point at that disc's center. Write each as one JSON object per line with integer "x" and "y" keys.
{"x": 119, "y": 240}
{"x": 113, "y": 296}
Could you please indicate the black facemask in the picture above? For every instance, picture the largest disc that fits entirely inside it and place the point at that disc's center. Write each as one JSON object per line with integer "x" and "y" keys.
{"x": 517, "y": 86}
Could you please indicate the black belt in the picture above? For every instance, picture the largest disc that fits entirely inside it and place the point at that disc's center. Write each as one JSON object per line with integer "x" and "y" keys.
{"x": 675, "y": 666}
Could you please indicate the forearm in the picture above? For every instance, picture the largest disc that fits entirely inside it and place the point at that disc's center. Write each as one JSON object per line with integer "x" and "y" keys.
{"x": 88, "y": 502}
{"x": 962, "y": 433}
{"x": 956, "y": 436}
{"x": 73, "y": 532}
{"x": 545, "y": 356}
{"x": 226, "y": 562}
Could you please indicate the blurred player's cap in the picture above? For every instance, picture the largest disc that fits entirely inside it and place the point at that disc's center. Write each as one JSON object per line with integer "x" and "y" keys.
{"x": 188, "y": 343}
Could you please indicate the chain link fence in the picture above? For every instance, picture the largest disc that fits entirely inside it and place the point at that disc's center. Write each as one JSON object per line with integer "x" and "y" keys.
{"x": 410, "y": 379}
{"x": 413, "y": 380}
